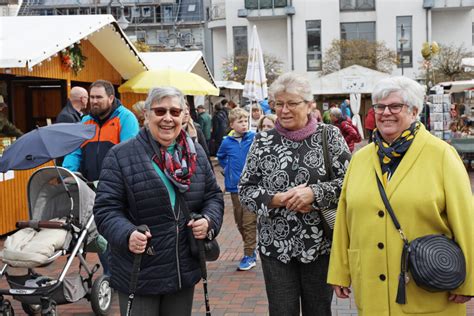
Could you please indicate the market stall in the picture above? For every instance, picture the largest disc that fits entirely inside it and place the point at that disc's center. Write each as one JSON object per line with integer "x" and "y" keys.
{"x": 41, "y": 59}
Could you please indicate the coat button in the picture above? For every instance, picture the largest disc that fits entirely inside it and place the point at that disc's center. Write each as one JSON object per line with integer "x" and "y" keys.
{"x": 380, "y": 245}
{"x": 382, "y": 277}
{"x": 381, "y": 213}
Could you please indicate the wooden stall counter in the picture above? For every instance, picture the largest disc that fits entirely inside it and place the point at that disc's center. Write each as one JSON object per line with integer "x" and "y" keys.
{"x": 13, "y": 198}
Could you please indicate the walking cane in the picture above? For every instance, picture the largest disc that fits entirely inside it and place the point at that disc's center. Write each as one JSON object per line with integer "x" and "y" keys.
{"x": 202, "y": 262}
{"x": 135, "y": 272}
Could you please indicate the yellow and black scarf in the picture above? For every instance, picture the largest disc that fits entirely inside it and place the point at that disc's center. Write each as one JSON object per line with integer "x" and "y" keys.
{"x": 390, "y": 155}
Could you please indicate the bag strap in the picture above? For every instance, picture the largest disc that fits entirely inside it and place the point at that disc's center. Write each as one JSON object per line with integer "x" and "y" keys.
{"x": 402, "y": 278}
{"x": 326, "y": 155}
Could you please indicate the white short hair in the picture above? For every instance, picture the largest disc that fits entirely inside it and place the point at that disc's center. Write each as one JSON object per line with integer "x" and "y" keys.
{"x": 157, "y": 94}
{"x": 291, "y": 82}
{"x": 411, "y": 92}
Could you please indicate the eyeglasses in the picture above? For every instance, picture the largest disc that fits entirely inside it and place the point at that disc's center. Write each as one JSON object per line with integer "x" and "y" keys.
{"x": 290, "y": 105}
{"x": 161, "y": 111}
{"x": 394, "y": 108}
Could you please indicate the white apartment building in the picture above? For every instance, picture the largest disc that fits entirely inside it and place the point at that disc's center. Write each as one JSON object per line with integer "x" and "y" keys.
{"x": 299, "y": 31}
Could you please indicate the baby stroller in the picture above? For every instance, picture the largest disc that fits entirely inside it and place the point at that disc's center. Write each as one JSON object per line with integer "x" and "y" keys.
{"x": 61, "y": 224}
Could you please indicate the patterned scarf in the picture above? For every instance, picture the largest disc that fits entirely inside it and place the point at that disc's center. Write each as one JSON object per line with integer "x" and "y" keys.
{"x": 301, "y": 134}
{"x": 180, "y": 165}
{"x": 390, "y": 155}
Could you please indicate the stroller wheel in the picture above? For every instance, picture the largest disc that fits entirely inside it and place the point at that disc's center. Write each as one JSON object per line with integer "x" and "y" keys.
{"x": 101, "y": 295}
{"x": 7, "y": 309}
{"x": 31, "y": 309}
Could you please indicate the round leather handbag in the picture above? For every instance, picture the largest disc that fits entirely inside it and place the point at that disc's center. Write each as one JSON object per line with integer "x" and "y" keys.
{"x": 436, "y": 263}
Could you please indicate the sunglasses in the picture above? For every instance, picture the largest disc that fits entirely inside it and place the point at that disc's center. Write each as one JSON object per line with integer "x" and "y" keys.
{"x": 161, "y": 111}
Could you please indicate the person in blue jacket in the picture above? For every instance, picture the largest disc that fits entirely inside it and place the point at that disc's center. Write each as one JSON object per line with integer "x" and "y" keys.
{"x": 232, "y": 155}
{"x": 346, "y": 109}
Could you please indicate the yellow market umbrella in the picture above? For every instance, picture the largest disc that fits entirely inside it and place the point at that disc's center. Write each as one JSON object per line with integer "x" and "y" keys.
{"x": 189, "y": 83}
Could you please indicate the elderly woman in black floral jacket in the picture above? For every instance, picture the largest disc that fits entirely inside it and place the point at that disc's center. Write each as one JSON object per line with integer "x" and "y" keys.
{"x": 285, "y": 183}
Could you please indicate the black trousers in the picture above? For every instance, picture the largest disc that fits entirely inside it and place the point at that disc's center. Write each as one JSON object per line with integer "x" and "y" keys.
{"x": 297, "y": 286}
{"x": 179, "y": 303}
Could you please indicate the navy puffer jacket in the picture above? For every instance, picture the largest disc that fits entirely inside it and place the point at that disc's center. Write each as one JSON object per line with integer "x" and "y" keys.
{"x": 131, "y": 193}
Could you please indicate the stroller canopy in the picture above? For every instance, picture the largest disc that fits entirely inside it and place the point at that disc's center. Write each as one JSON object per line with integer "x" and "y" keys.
{"x": 48, "y": 199}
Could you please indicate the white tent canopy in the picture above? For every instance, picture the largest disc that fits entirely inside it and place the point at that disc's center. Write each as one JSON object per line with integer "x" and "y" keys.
{"x": 456, "y": 86}
{"x": 191, "y": 61}
{"x": 232, "y": 85}
{"x": 26, "y": 41}
{"x": 353, "y": 79}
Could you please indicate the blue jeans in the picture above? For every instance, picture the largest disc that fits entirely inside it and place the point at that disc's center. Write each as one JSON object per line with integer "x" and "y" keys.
{"x": 104, "y": 261}
{"x": 294, "y": 286}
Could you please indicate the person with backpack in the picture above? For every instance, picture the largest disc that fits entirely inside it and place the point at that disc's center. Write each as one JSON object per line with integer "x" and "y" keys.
{"x": 348, "y": 131}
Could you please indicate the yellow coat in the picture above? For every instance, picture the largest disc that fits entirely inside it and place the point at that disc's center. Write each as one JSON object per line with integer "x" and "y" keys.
{"x": 430, "y": 193}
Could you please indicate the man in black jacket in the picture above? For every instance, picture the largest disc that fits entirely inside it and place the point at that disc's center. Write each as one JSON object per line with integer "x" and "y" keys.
{"x": 75, "y": 106}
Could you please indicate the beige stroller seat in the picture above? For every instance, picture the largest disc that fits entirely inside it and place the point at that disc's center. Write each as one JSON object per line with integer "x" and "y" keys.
{"x": 30, "y": 248}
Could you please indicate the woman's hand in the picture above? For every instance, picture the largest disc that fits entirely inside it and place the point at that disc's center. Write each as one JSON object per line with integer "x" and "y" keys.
{"x": 460, "y": 299}
{"x": 200, "y": 228}
{"x": 278, "y": 200}
{"x": 341, "y": 291}
{"x": 299, "y": 197}
{"x": 137, "y": 241}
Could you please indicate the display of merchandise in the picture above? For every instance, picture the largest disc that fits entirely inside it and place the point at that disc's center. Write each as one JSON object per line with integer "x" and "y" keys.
{"x": 439, "y": 115}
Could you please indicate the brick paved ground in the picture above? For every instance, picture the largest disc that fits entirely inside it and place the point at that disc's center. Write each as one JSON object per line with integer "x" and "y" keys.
{"x": 232, "y": 292}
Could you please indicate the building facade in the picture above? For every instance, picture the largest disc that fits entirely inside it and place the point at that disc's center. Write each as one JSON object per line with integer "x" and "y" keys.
{"x": 299, "y": 31}
{"x": 164, "y": 25}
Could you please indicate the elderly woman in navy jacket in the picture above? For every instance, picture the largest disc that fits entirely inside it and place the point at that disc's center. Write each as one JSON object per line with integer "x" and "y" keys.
{"x": 149, "y": 180}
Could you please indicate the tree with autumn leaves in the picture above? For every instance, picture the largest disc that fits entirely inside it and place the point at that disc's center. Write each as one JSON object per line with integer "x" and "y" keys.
{"x": 235, "y": 68}
{"x": 370, "y": 54}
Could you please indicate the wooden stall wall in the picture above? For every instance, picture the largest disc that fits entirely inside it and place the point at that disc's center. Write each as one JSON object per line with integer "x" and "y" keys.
{"x": 96, "y": 67}
{"x": 14, "y": 200}
{"x": 129, "y": 99}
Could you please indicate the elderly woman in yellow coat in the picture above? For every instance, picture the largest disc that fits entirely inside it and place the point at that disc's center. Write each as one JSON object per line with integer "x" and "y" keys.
{"x": 429, "y": 191}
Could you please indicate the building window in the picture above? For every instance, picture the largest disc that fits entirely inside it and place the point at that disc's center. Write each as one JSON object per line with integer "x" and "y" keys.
{"x": 358, "y": 31}
{"x": 240, "y": 40}
{"x": 404, "y": 25}
{"x": 313, "y": 51}
{"x": 265, "y": 4}
{"x": 357, "y": 5}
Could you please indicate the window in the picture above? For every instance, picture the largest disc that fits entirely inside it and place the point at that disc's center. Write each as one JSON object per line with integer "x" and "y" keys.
{"x": 473, "y": 34}
{"x": 404, "y": 25}
{"x": 240, "y": 40}
{"x": 313, "y": 51}
{"x": 135, "y": 12}
{"x": 357, "y": 5}
{"x": 264, "y": 4}
{"x": 361, "y": 30}
{"x": 146, "y": 11}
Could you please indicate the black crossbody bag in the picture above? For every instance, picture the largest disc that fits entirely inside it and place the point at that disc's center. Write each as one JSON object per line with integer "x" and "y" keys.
{"x": 435, "y": 262}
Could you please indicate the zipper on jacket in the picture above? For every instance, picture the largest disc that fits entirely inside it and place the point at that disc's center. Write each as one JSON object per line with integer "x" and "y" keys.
{"x": 176, "y": 217}
{"x": 98, "y": 150}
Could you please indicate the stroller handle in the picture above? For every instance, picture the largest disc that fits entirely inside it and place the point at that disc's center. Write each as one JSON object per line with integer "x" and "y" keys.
{"x": 42, "y": 224}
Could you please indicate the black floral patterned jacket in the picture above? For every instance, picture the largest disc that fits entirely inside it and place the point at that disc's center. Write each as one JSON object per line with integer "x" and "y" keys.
{"x": 276, "y": 164}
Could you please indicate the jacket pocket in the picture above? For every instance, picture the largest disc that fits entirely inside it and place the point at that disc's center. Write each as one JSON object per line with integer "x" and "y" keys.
{"x": 356, "y": 276}
{"x": 420, "y": 301}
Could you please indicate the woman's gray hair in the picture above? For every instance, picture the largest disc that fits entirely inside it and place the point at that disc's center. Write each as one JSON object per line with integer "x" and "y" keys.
{"x": 411, "y": 92}
{"x": 291, "y": 82}
{"x": 155, "y": 95}
{"x": 336, "y": 112}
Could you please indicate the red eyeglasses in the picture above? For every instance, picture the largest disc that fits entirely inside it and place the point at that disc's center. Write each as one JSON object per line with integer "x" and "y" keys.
{"x": 161, "y": 111}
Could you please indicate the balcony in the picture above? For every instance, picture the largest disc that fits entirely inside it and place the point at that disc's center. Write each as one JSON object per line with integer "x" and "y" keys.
{"x": 438, "y": 5}
{"x": 255, "y": 9}
{"x": 217, "y": 15}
